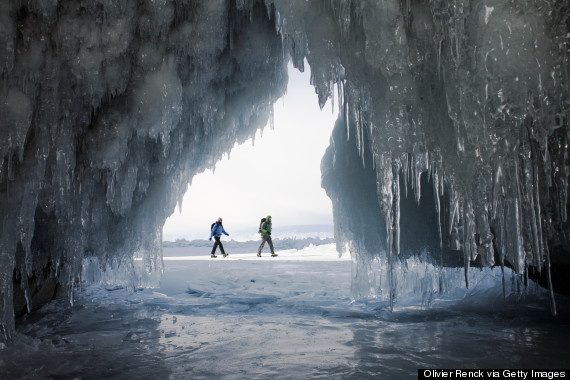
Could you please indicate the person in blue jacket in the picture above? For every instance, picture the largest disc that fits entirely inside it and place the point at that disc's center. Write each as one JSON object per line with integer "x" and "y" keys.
{"x": 217, "y": 231}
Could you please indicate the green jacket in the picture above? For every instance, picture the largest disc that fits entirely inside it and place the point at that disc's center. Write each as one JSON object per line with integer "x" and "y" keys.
{"x": 266, "y": 227}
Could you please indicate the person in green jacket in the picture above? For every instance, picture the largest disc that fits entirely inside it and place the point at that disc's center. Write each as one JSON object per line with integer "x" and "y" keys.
{"x": 266, "y": 236}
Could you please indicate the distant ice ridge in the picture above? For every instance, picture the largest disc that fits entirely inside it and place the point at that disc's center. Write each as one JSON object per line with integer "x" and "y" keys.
{"x": 109, "y": 108}
{"x": 279, "y": 232}
{"x": 294, "y": 232}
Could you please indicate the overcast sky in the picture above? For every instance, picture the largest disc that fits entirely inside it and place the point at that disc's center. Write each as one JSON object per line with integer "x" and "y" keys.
{"x": 278, "y": 176}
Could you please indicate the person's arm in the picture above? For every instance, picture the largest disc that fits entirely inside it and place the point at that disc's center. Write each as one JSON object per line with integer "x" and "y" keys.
{"x": 224, "y": 231}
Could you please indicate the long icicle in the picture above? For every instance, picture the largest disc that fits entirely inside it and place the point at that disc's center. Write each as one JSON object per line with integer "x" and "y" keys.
{"x": 550, "y": 289}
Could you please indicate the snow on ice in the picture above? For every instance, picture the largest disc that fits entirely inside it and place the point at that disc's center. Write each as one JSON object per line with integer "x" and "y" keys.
{"x": 286, "y": 317}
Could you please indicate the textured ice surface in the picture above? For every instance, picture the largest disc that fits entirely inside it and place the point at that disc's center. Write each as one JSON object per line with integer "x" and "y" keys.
{"x": 285, "y": 317}
{"x": 110, "y": 107}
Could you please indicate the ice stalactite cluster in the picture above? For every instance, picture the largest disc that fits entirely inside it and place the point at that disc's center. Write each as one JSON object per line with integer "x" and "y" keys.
{"x": 472, "y": 93}
{"x": 108, "y": 109}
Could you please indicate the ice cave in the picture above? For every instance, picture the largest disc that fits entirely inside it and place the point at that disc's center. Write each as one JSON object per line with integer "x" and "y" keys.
{"x": 452, "y": 136}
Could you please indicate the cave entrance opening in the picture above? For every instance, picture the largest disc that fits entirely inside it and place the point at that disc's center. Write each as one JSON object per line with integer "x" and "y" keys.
{"x": 277, "y": 173}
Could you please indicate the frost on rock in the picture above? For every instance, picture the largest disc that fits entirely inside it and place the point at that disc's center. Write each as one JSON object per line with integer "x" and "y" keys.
{"x": 109, "y": 108}
{"x": 454, "y": 129}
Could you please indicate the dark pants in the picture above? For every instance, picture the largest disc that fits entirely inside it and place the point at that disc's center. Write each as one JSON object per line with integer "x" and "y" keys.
{"x": 216, "y": 244}
{"x": 269, "y": 241}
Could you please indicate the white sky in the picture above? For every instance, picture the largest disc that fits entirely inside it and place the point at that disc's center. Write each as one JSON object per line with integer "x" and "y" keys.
{"x": 279, "y": 176}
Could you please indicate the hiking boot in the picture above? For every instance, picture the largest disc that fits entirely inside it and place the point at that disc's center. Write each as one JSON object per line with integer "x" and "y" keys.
{"x": 259, "y": 255}
{"x": 213, "y": 256}
{"x": 273, "y": 255}
{"x": 225, "y": 255}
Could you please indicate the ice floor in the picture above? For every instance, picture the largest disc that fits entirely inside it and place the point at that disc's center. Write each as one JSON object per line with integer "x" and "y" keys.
{"x": 289, "y": 317}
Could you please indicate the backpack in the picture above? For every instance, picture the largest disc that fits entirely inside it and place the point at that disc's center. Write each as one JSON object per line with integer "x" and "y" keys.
{"x": 212, "y": 226}
{"x": 260, "y": 223}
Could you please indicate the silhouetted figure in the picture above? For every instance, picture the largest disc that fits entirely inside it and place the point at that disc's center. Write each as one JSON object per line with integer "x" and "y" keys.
{"x": 265, "y": 230}
{"x": 217, "y": 231}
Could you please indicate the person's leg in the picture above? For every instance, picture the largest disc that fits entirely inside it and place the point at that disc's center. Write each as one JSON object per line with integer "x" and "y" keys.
{"x": 216, "y": 243}
{"x": 261, "y": 245}
{"x": 270, "y": 242}
{"x": 219, "y": 242}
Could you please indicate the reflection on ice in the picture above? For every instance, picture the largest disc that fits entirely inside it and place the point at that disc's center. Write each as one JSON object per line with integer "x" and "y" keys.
{"x": 288, "y": 318}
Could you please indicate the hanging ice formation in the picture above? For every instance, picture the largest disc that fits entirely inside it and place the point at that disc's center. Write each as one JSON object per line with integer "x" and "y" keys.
{"x": 109, "y": 108}
{"x": 475, "y": 96}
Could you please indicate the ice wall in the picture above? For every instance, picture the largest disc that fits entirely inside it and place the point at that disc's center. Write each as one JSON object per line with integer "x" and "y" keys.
{"x": 349, "y": 178}
{"x": 108, "y": 109}
{"x": 473, "y": 93}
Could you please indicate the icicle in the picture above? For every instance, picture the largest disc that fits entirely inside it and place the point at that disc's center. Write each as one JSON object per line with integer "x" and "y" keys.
{"x": 564, "y": 179}
{"x": 519, "y": 245}
{"x": 358, "y": 136}
{"x": 497, "y": 187}
{"x": 467, "y": 236}
{"x": 340, "y": 90}
{"x": 466, "y": 264}
{"x": 418, "y": 187}
{"x": 534, "y": 219}
{"x": 440, "y": 48}
{"x": 547, "y": 164}
{"x": 550, "y": 289}
{"x": 346, "y": 121}
{"x": 361, "y": 143}
{"x": 540, "y": 241}
{"x": 405, "y": 173}
{"x": 332, "y": 98}
{"x": 437, "y": 203}
{"x": 27, "y": 296}
{"x": 71, "y": 293}
{"x": 396, "y": 190}
{"x": 503, "y": 283}
{"x": 385, "y": 186}
{"x": 454, "y": 214}
{"x": 390, "y": 269}
{"x": 271, "y": 117}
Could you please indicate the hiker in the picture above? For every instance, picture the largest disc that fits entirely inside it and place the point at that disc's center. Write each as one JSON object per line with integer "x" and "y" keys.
{"x": 265, "y": 230}
{"x": 217, "y": 231}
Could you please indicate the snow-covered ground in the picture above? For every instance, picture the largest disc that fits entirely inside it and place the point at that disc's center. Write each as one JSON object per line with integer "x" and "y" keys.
{"x": 287, "y": 317}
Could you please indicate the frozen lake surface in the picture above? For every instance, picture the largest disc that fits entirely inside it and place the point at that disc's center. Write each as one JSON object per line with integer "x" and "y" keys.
{"x": 288, "y": 317}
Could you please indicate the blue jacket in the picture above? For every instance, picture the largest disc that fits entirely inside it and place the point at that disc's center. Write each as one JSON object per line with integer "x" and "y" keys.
{"x": 218, "y": 230}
